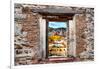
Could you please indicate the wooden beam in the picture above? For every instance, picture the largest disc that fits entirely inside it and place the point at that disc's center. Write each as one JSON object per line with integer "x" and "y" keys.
{"x": 60, "y": 18}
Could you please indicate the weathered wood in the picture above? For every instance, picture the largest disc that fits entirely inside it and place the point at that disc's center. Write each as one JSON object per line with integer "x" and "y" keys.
{"x": 56, "y": 18}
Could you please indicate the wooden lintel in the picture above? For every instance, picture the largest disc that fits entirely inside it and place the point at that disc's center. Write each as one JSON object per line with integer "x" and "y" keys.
{"x": 56, "y": 14}
{"x": 60, "y": 18}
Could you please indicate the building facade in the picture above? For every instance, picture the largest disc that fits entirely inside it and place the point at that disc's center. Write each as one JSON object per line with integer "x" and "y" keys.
{"x": 31, "y": 39}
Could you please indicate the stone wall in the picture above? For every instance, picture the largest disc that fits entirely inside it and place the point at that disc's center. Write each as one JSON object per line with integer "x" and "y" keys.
{"x": 26, "y": 36}
{"x": 27, "y": 32}
{"x": 85, "y": 32}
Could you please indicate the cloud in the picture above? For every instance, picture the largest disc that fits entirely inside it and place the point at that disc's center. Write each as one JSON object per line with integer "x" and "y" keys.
{"x": 58, "y": 24}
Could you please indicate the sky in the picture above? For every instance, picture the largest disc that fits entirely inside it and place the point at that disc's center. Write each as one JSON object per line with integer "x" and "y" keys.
{"x": 58, "y": 24}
